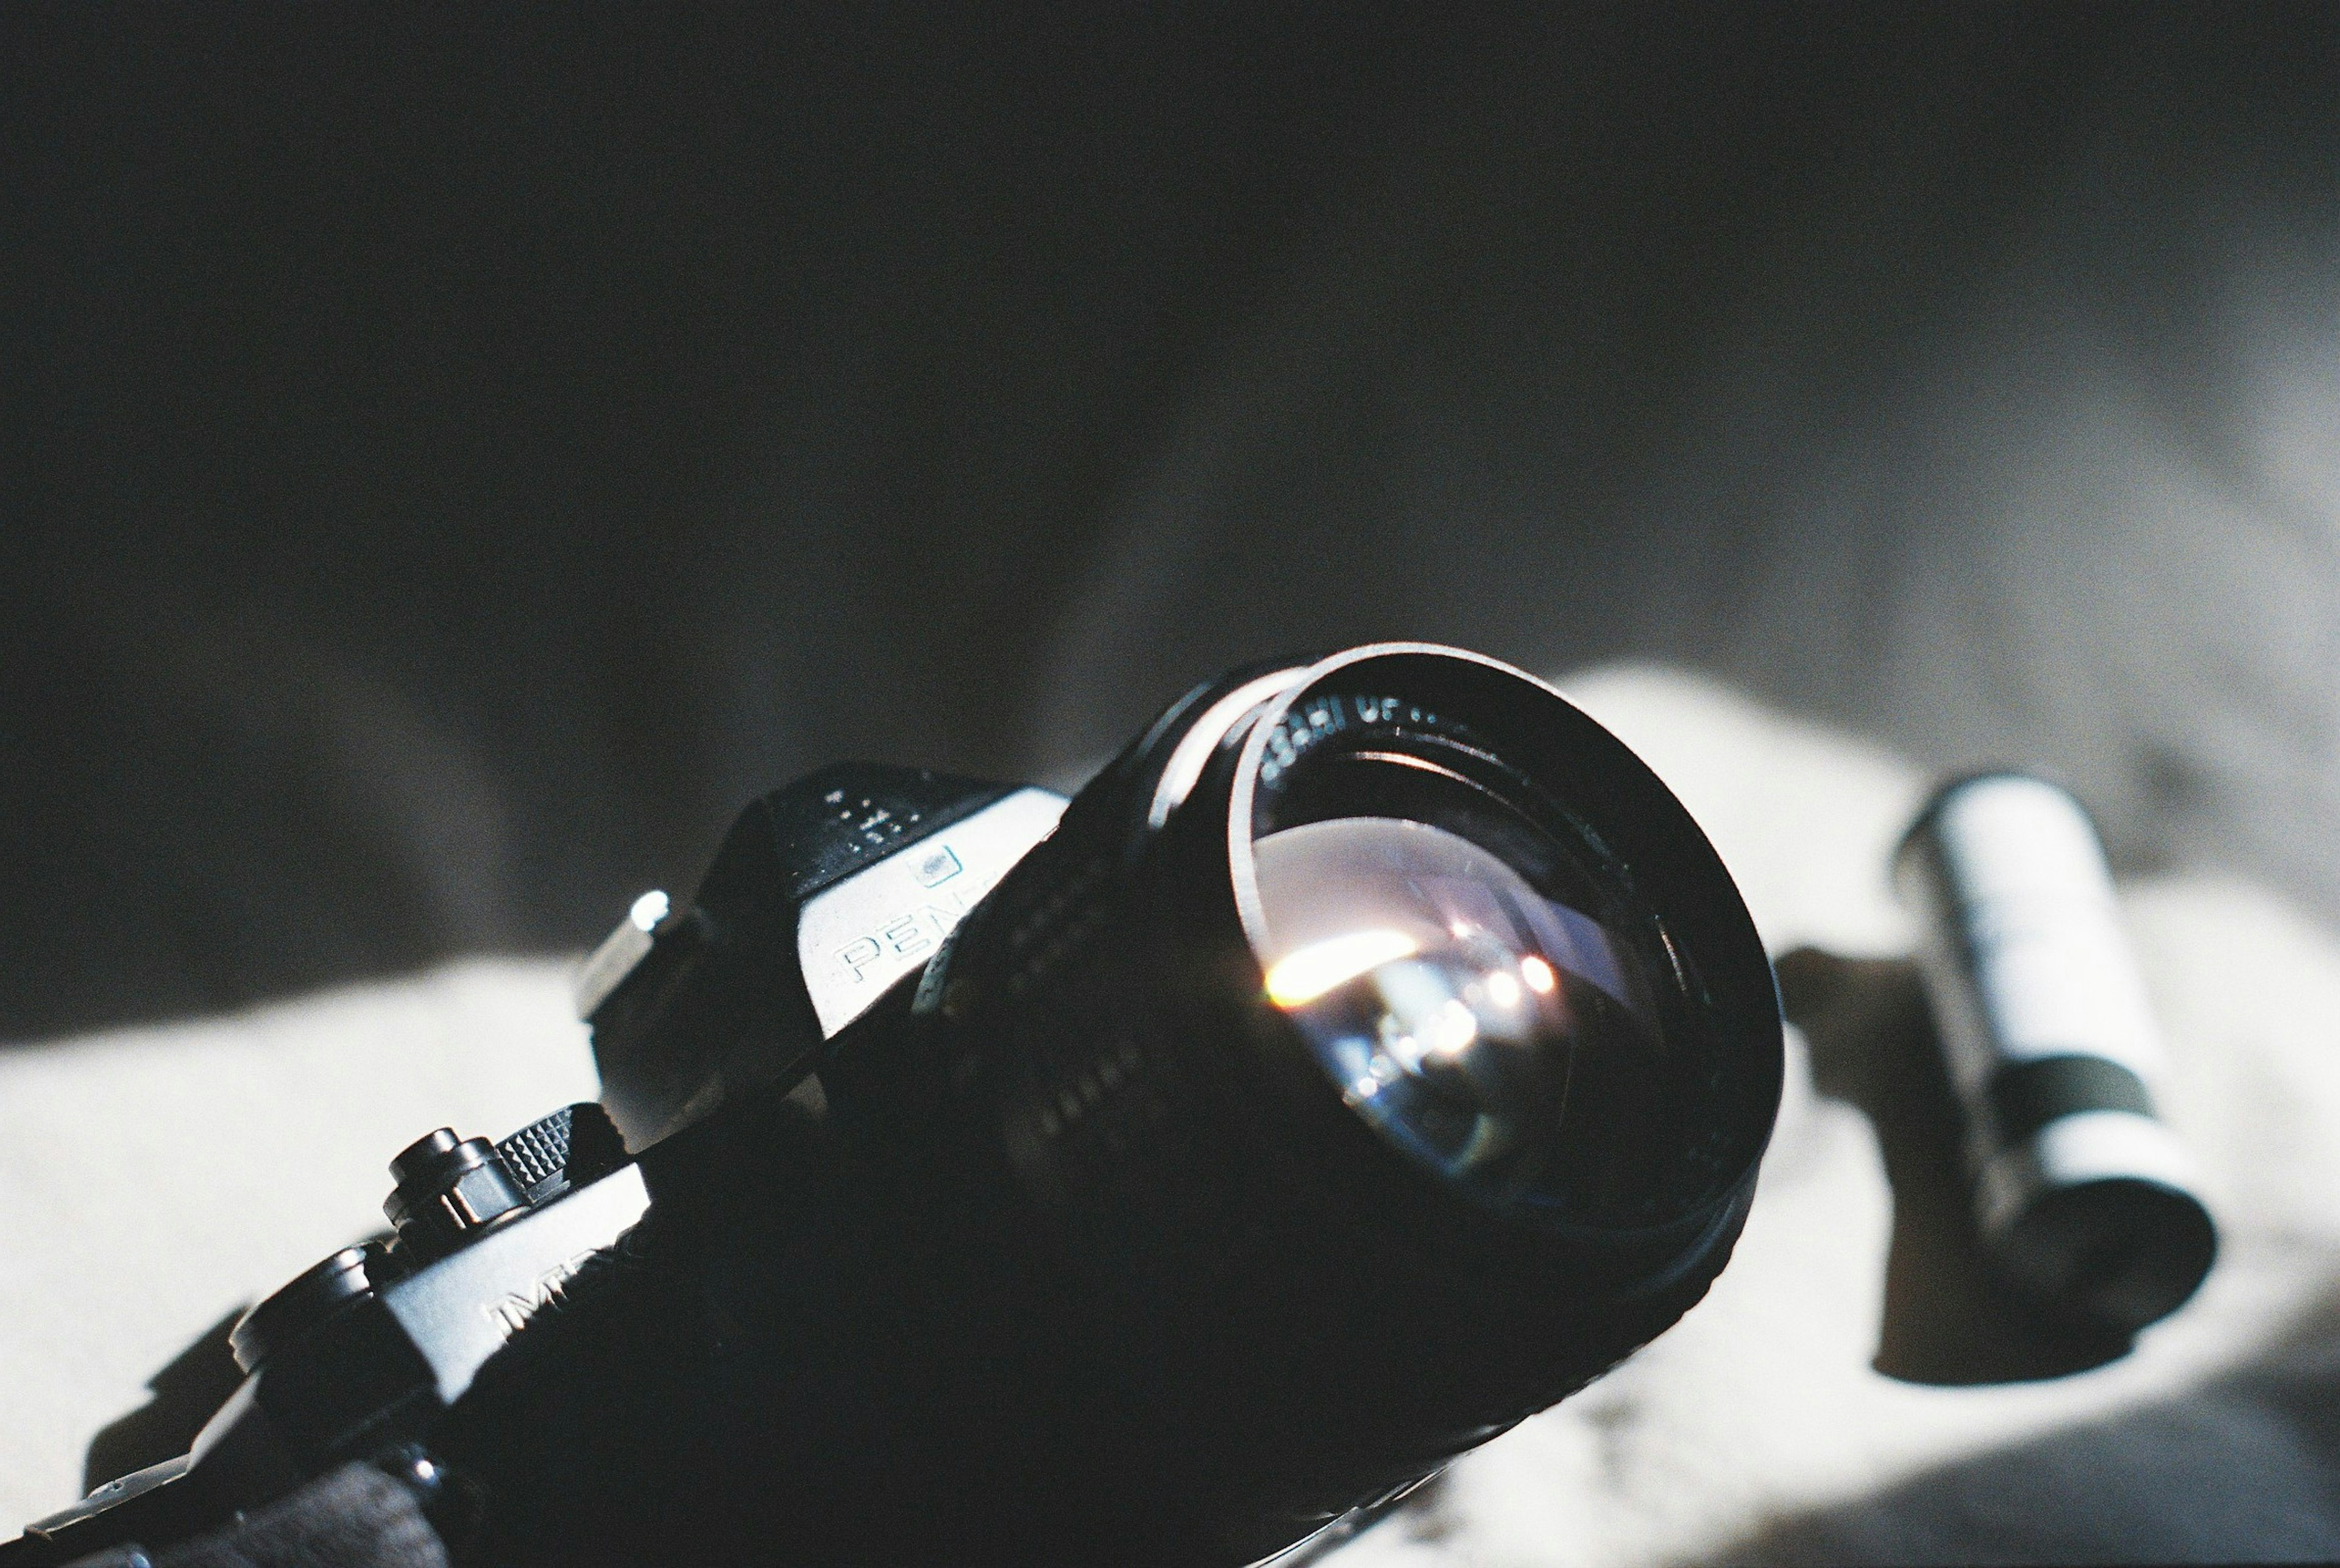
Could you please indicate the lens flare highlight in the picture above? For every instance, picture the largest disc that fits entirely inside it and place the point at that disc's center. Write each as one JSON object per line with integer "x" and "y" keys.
{"x": 1301, "y": 976}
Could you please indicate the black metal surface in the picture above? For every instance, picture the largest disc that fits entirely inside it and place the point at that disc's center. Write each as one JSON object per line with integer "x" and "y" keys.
{"x": 312, "y": 1297}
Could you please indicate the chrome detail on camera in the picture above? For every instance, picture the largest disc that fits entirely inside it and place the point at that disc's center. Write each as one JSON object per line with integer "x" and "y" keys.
{"x": 619, "y": 951}
{"x": 1194, "y": 749}
{"x": 855, "y": 938}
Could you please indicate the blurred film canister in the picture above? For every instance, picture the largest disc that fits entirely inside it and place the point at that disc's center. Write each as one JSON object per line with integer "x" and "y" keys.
{"x": 2084, "y": 1196}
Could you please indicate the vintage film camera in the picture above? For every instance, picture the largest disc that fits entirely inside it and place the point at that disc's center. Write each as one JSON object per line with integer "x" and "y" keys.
{"x": 1370, "y": 1055}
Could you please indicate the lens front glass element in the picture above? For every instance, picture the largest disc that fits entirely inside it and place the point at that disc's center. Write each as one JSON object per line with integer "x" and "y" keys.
{"x": 1483, "y": 987}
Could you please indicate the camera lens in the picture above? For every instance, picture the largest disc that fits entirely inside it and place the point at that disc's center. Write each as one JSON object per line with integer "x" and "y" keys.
{"x": 1504, "y": 1039}
{"x": 1386, "y": 1000}
{"x": 1475, "y": 965}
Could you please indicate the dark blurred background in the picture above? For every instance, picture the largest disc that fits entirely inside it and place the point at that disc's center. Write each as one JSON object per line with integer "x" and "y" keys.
{"x": 453, "y": 460}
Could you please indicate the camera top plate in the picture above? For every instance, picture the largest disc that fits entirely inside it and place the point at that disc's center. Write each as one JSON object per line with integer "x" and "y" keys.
{"x": 825, "y": 893}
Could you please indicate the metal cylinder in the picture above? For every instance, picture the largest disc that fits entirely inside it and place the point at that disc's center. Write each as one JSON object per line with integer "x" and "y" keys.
{"x": 2081, "y": 1191}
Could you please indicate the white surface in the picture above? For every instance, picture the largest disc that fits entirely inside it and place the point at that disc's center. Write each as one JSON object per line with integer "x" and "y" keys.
{"x": 151, "y": 1180}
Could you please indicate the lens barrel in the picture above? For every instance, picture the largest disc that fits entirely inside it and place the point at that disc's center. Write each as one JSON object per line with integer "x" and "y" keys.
{"x": 1377, "y": 1052}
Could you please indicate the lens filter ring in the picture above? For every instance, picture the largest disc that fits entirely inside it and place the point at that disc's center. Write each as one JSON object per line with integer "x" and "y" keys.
{"x": 1508, "y": 949}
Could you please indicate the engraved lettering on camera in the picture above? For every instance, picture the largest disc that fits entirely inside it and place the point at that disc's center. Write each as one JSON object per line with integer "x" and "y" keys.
{"x": 510, "y": 1313}
{"x": 905, "y": 936}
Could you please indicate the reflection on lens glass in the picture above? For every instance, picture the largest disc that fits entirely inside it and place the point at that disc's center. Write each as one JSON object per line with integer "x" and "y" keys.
{"x": 1508, "y": 1040}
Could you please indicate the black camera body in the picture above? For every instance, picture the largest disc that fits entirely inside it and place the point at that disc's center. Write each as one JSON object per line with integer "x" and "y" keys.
{"x": 1370, "y": 1055}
